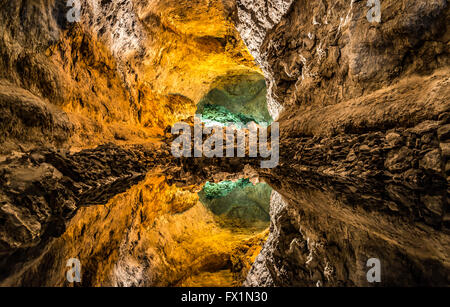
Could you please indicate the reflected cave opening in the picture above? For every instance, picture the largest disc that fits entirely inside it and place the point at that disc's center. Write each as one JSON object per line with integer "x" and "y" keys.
{"x": 238, "y": 205}
{"x": 235, "y": 99}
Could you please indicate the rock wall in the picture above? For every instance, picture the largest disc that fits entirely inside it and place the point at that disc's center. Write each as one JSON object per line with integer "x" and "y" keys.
{"x": 154, "y": 234}
{"x": 118, "y": 76}
{"x": 254, "y": 20}
{"x": 122, "y": 73}
{"x": 363, "y": 132}
{"x": 364, "y": 116}
{"x": 42, "y": 191}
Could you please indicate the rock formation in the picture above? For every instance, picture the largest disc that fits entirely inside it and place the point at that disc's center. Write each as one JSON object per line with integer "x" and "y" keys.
{"x": 85, "y": 162}
{"x": 364, "y": 170}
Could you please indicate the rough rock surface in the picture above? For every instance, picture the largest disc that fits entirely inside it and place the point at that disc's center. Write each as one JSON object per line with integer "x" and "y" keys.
{"x": 42, "y": 190}
{"x": 254, "y": 19}
{"x": 364, "y": 114}
{"x": 261, "y": 273}
{"x": 125, "y": 71}
{"x": 363, "y": 134}
{"x": 154, "y": 234}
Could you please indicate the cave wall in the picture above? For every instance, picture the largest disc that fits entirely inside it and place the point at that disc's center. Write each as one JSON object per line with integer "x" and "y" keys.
{"x": 364, "y": 115}
{"x": 122, "y": 73}
{"x": 242, "y": 95}
{"x": 321, "y": 54}
{"x": 363, "y": 112}
{"x": 154, "y": 234}
{"x": 67, "y": 81}
{"x": 119, "y": 76}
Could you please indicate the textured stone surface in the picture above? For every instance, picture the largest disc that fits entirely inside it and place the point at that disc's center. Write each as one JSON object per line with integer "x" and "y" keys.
{"x": 154, "y": 234}
{"x": 260, "y": 274}
{"x": 363, "y": 134}
{"x": 121, "y": 74}
{"x": 364, "y": 116}
{"x": 127, "y": 70}
{"x": 254, "y": 19}
{"x": 42, "y": 190}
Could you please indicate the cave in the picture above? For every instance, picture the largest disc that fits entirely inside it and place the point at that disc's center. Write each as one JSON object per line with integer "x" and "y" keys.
{"x": 240, "y": 203}
{"x": 353, "y": 98}
{"x": 237, "y": 100}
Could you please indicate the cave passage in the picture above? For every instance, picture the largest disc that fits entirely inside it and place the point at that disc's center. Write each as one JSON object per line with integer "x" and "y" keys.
{"x": 240, "y": 205}
{"x": 236, "y": 99}
{"x": 240, "y": 212}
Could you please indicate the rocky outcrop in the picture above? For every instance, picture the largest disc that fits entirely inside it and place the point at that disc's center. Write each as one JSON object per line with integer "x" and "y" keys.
{"x": 350, "y": 198}
{"x": 309, "y": 246}
{"x": 363, "y": 132}
{"x": 154, "y": 234}
{"x": 118, "y": 76}
{"x": 120, "y": 73}
{"x": 262, "y": 273}
{"x": 254, "y": 20}
{"x": 66, "y": 69}
{"x": 42, "y": 190}
{"x": 28, "y": 118}
{"x": 324, "y": 53}
{"x": 363, "y": 108}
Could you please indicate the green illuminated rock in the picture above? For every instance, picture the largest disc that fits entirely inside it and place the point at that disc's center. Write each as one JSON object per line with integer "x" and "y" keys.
{"x": 222, "y": 189}
{"x": 238, "y": 203}
{"x": 236, "y": 99}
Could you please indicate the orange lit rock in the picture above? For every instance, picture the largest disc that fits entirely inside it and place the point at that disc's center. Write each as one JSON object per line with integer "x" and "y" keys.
{"x": 125, "y": 72}
{"x": 152, "y": 235}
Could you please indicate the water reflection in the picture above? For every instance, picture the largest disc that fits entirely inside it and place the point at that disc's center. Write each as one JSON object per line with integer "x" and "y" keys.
{"x": 208, "y": 234}
{"x": 240, "y": 205}
{"x": 155, "y": 234}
